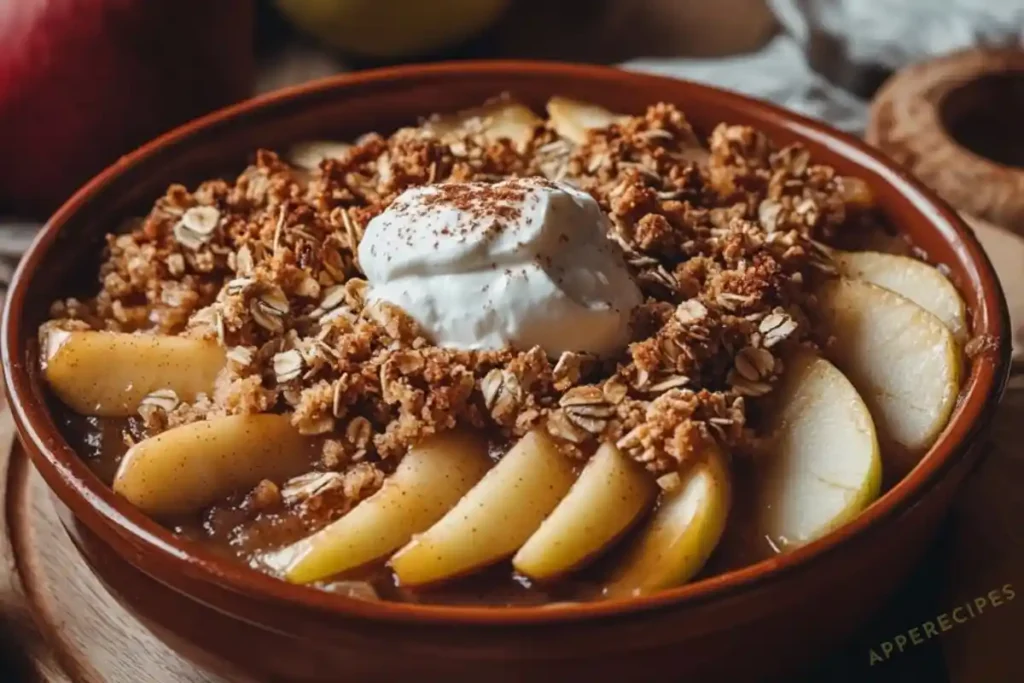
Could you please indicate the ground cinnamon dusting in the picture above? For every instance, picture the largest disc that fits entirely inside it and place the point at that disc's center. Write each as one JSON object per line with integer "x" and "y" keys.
{"x": 720, "y": 235}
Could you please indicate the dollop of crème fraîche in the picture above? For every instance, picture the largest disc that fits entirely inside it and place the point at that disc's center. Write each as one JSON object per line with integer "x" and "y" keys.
{"x": 520, "y": 263}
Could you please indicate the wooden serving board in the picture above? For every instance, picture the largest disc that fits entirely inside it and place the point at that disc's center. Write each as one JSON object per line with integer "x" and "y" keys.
{"x": 59, "y": 623}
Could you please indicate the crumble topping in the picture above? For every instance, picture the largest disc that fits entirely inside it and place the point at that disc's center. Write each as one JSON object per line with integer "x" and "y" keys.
{"x": 721, "y": 240}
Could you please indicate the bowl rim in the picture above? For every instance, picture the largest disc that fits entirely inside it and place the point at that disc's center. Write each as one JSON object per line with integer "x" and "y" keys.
{"x": 83, "y": 492}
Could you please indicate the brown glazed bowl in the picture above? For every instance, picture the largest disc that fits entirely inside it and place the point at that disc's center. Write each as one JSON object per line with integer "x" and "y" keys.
{"x": 753, "y": 623}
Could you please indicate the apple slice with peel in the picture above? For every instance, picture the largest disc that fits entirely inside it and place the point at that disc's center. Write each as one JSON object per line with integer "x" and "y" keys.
{"x": 309, "y": 154}
{"x": 494, "y": 518}
{"x": 189, "y": 467}
{"x": 823, "y": 465}
{"x": 611, "y": 493}
{"x": 572, "y": 119}
{"x": 676, "y": 542}
{"x": 107, "y": 374}
{"x": 499, "y": 118}
{"x": 902, "y": 360}
{"x": 917, "y": 281}
{"x": 428, "y": 482}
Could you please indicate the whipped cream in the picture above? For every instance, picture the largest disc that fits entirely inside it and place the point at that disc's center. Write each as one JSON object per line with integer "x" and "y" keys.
{"x": 519, "y": 263}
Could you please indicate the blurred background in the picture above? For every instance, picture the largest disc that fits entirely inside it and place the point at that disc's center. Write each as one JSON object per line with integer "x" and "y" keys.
{"x": 85, "y": 81}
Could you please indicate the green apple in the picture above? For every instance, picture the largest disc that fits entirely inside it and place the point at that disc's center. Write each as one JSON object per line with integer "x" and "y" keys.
{"x": 611, "y": 493}
{"x": 498, "y": 118}
{"x": 676, "y": 542}
{"x": 902, "y": 360}
{"x": 572, "y": 119}
{"x": 429, "y": 480}
{"x": 913, "y": 279}
{"x": 822, "y": 466}
{"x": 187, "y": 468}
{"x": 308, "y": 155}
{"x": 494, "y": 518}
{"x": 108, "y": 374}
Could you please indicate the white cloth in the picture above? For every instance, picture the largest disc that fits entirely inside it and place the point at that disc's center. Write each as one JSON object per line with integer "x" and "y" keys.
{"x": 778, "y": 73}
{"x": 882, "y": 33}
{"x": 894, "y": 33}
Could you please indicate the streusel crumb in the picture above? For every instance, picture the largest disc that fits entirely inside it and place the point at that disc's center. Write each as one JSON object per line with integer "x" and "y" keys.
{"x": 720, "y": 236}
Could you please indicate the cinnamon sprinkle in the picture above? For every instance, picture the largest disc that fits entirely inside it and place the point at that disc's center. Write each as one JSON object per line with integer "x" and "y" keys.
{"x": 719, "y": 240}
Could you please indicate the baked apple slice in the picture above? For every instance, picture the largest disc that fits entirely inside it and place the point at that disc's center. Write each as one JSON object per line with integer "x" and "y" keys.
{"x": 499, "y": 118}
{"x": 611, "y": 493}
{"x": 494, "y": 518}
{"x": 308, "y": 155}
{"x": 108, "y": 374}
{"x": 823, "y": 465}
{"x": 917, "y": 281}
{"x": 429, "y": 480}
{"x": 187, "y": 468}
{"x": 676, "y": 542}
{"x": 902, "y": 360}
{"x": 572, "y": 119}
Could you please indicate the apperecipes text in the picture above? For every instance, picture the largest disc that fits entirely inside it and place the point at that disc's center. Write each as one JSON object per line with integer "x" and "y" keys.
{"x": 943, "y": 622}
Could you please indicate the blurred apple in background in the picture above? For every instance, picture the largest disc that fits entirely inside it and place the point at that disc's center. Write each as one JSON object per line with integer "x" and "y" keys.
{"x": 82, "y": 82}
{"x": 392, "y": 29}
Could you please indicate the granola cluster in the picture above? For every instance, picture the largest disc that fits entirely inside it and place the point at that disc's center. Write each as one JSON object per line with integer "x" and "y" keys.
{"x": 721, "y": 238}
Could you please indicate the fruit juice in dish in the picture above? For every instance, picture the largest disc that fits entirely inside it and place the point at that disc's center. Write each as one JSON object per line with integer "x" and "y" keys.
{"x": 500, "y": 359}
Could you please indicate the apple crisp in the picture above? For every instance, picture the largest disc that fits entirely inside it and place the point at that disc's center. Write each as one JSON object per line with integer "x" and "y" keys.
{"x": 723, "y": 237}
{"x": 268, "y": 267}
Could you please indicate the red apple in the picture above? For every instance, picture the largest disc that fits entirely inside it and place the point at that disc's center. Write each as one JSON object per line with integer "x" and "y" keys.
{"x": 84, "y": 81}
